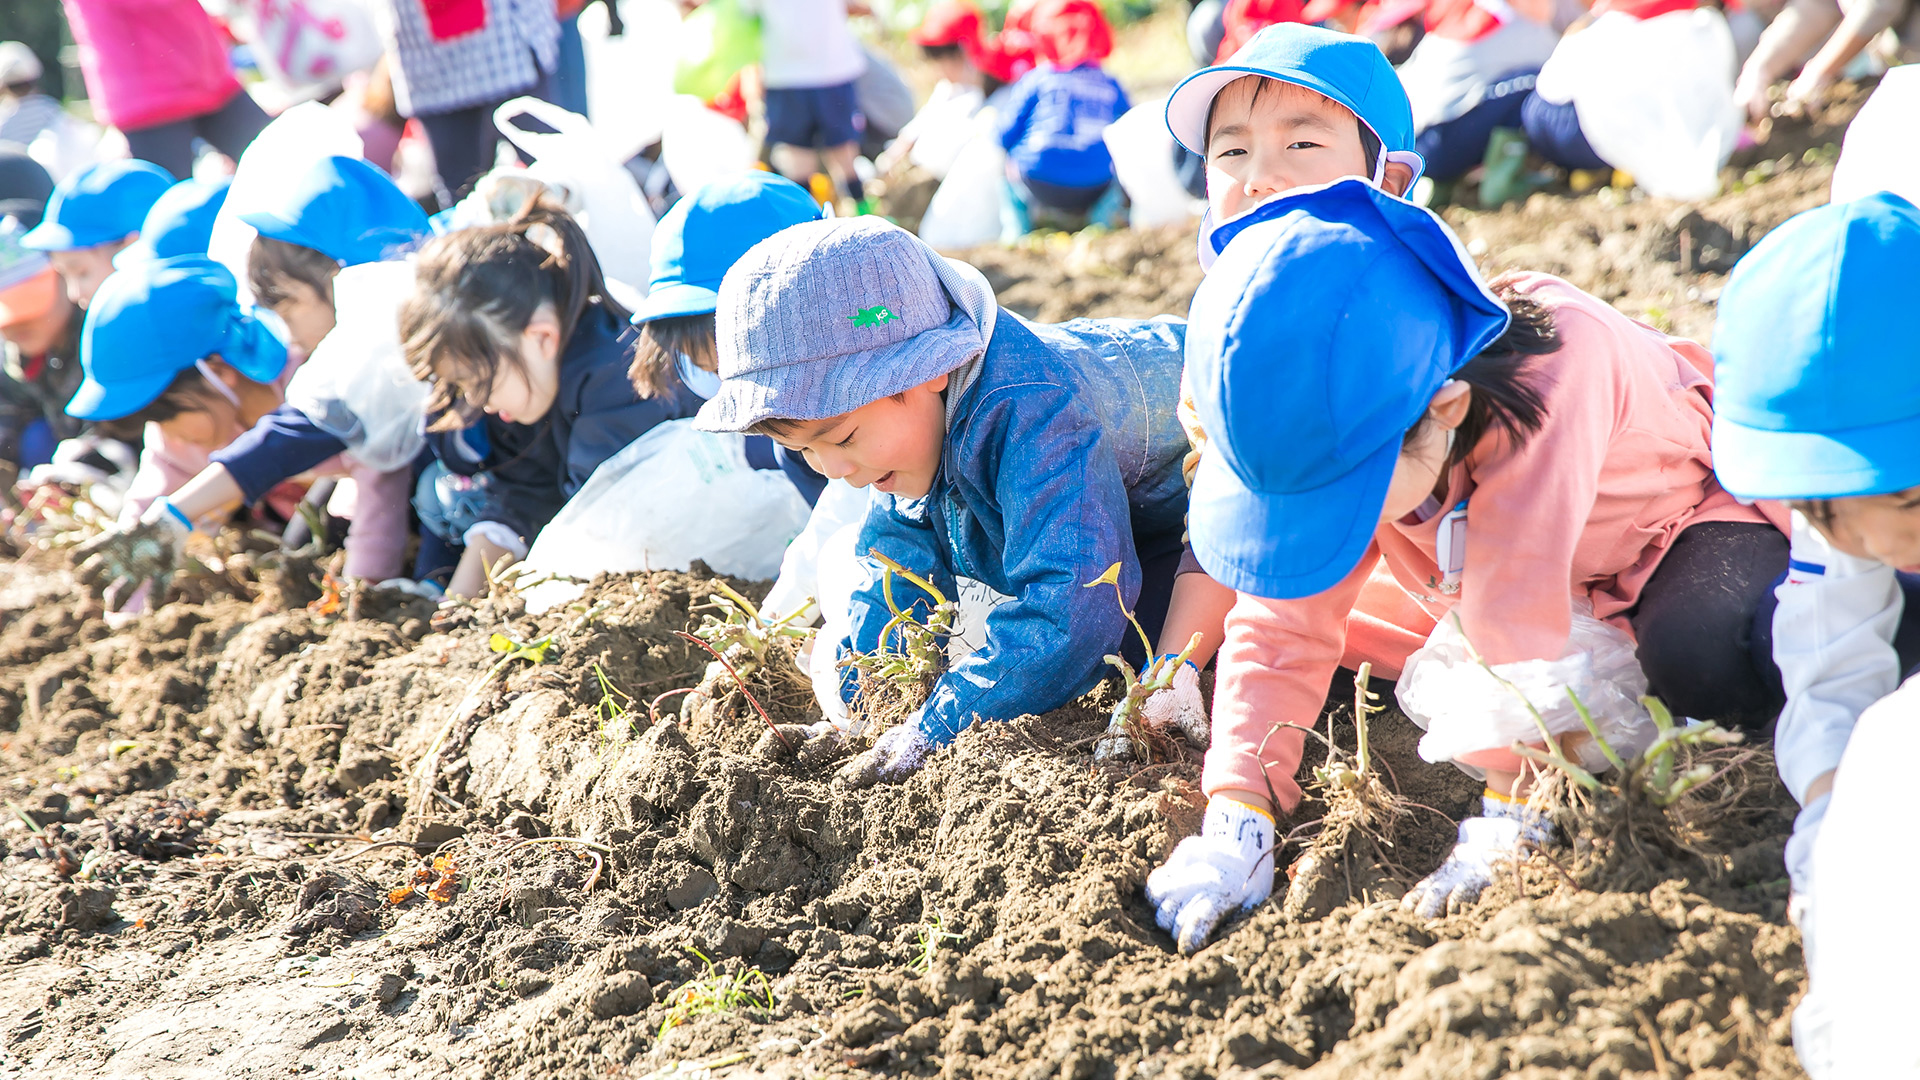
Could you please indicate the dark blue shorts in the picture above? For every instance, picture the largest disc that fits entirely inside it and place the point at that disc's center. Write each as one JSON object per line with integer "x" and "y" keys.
{"x": 820, "y": 116}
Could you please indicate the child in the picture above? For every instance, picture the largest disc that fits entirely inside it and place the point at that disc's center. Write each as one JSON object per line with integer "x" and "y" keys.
{"x": 1817, "y": 406}
{"x": 950, "y": 40}
{"x": 95, "y": 213}
{"x": 512, "y": 325}
{"x": 1058, "y": 167}
{"x": 1520, "y": 457}
{"x": 25, "y": 110}
{"x": 1031, "y": 458}
{"x": 809, "y": 63}
{"x": 40, "y": 332}
{"x": 179, "y": 223}
{"x": 343, "y": 213}
{"x": 1297, "y": 107}
{"x": 1471, "y": 73}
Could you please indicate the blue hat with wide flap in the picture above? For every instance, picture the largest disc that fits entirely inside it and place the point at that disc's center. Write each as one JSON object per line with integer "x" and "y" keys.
{"x": 99, "y": 204}
{"x": 1348, "y": 69}
{"x": 154, "y": 320}
{"x": 346, "y": 209}
{"x": 181, "y": 223}
{"x": 1333, "y": 316}
{"x": 700, "y": 239}
{"x": 1816, "y": 388}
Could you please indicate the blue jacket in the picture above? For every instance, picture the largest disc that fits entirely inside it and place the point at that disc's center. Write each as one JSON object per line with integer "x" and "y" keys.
{"x": 1055, "y": 124}
{"x": 535, "y": 468}
{"x": 1062, "y": 458}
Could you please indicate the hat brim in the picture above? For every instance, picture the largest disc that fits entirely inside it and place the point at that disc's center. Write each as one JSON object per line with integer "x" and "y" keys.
{"x": 1755, "y": 463}
{"x": 840, "y": 384}
{"x": 50, "y": 236}
{"x": 96, "y": 401}
{"x": 1284, "y": 546}
{"x": 676, "y": 300}
{"x": 1192, "y": 101}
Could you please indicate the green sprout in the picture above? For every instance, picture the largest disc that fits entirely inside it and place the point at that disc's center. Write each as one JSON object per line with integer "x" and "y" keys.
{"x": 1139, "y": 688}
{"x": 615, "y": 707}
{"x": 932, "y": 936}
{"x": 740, "y": 632}
{"x": 717, "y": 992}
{"x": 920, "y": 653}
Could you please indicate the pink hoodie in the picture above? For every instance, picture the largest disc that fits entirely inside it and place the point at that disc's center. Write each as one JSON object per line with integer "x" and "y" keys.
{"x": 1594, "y": 500}
{"x": 150, "y": 62}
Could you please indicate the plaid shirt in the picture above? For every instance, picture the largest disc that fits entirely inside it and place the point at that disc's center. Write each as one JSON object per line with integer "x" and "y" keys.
{"x": 504, "y": 58}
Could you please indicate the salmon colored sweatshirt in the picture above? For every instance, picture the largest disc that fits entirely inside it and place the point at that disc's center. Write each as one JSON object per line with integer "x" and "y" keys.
{"x": 1594, "y": 500}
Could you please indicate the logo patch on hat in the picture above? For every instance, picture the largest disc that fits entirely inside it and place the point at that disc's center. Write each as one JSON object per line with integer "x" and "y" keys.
{"x": 876, "y": 315}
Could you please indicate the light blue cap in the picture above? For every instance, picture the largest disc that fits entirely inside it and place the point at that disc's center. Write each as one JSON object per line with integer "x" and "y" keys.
{"x": 181, "y": 223}
{"x": 98, "y": 205}
{"x": 346, "y": 209}
{"x": 1816, "y": 381}
{"x": 700, "y": 239}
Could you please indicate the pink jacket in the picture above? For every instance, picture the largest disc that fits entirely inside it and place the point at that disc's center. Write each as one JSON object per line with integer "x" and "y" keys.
{"x": 150, "y": 62}
{"x": 1594, "y": 500}
{"x": 377, "y": 540}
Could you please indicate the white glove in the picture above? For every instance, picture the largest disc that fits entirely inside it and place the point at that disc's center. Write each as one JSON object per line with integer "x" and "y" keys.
{"x": 1799, "y": 859}
{"x": 1486, "y": 846}
{"x": 894, "y": 757}
{"x": 115, "y": 564}
{"x": 425, "y": 590}
{"x": 1229, "y": 865}
{"x": 1177, "y": 706}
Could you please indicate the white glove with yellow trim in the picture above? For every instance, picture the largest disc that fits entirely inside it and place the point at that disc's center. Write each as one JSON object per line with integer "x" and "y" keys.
{"x": 1229, "y": 865}
{"x": 1504, "y": 833}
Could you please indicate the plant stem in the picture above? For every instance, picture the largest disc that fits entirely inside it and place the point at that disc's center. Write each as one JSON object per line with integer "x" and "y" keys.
{"x": 742, "y": 683}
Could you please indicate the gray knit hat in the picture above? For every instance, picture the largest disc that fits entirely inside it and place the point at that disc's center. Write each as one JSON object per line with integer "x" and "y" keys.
{"x": 827, "y": 316}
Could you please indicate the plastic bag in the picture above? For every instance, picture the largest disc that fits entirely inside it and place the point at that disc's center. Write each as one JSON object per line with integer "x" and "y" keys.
{"x": 965, "y": 211}
{"x": 883, "y": 98}
{"x": 1464, "y": 709}
{"x": 716, "y": 40}
{"x": 309, "y": 47}
{"x": 698, "y": 145}
{"x": 630, "y": 77}
{"x": 615, "y": 215}
{"x": 1654, "y": 97}
{"x": 672, "y": 496}
{"x": 357, "y": 386}
{"x": 1880, "y": 153}
{"x": 1143, "y": 160}
{"x": 277, "y": 159}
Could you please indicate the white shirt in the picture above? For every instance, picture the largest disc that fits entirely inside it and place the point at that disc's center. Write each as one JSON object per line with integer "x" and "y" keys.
{"x": 806, "y": 43}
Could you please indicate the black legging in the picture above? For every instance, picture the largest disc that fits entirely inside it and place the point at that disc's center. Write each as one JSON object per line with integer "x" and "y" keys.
{"x": 229, "y": 129}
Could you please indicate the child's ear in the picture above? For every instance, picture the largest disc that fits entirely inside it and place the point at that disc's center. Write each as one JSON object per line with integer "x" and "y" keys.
{"x": 226, "y": 372}
{"x": 1398, "y": 178}
{"x": 1449, "y": 405}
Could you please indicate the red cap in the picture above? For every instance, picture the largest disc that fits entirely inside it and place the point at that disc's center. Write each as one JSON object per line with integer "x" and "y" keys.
{"x": 950, "y": 22}
{"x": 1245, "y": 18}
{"x": 1069, "y": 33}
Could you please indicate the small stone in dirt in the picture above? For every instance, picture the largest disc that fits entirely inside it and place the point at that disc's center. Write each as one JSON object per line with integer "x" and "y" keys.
{"x": 623, "y": 994}
{"x": 525, "y": 824}
{"x": 695, "y": 885}
{"x": 434, "y": 833}
{"x": 388, "y": 987}
{"x": 80, "y": 907}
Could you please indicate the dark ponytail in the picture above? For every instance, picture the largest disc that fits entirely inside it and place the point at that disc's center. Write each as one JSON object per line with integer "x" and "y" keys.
{"x": 477, "y": 289}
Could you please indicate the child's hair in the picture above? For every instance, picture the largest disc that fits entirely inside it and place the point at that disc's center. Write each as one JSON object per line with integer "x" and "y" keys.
{"x": 1504, "y": 397}
{"x": 1370, "y": 144}
{"x": 779, "y": 427}
{"x": 271, "y": 264}
{"x": 656, "y": 355}
{"x": 941, "y": 52}
{"x": 475, "y": 292}
{"x": 188, "y": 392}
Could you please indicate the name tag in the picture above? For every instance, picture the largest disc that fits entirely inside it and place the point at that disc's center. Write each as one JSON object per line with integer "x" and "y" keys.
{"x": 1450, "y": 548}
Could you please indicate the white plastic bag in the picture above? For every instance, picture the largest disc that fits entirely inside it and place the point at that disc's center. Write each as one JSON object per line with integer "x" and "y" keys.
{"x": 698, "y": 144}
{"x": 965, "y": 211}
{"x": 1142, "y": 151}
{"x": 672, "y": 496}
{"x": 1880, "y": 152}
{"x": 840, "y": 504}
{"x": 1654, "y": 96}
{"x": 615, "y": 215}
{"x": 356, "y": 386}
{"x": 630, "y": 78}
{"x": 277, "y": 159}
{"x": 309, "y": 47}
{"x": 1464, "y": 709}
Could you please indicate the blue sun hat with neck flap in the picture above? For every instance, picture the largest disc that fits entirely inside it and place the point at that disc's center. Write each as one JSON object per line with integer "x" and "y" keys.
{"x": 1334, "y": 315}
{"x": 156, "y": 319}
{"x": 346, "y": 209}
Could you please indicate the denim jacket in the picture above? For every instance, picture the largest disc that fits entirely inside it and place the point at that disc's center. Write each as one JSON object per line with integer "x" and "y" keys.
{"x": 1062, "y": 457}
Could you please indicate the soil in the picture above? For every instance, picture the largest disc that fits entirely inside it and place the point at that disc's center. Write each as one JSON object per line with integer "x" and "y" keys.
{"x": 243, "y": 837}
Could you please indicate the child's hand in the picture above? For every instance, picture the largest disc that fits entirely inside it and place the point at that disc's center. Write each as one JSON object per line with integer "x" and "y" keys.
{"x": 1178, "y": 705}
{"x": 1487, "y": 845}
{"x": 893, "y": 758}
{"x": 1229, "y": 865}
{"x": 114, "y": 565}
{"x": 1799, "y": 859}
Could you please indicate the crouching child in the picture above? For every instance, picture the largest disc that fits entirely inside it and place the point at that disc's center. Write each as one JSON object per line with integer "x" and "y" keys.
{"x": 1029, "y": 458}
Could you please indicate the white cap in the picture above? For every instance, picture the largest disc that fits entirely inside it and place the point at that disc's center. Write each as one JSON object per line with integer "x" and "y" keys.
{"x": 18, "y": 64}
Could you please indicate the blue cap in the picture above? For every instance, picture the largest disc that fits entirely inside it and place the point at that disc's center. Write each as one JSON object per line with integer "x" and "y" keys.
{"x": 706, "y": 233}
{"x": 1350, "y": 70}
{"x": 346, "y": 209}
{"x": 99, "y": 204}
{"x": 181, "y": 223}
{"x": 154, "y": 320}
{"x": 1816, "y": 392}
{"x": 1314, "y": 345}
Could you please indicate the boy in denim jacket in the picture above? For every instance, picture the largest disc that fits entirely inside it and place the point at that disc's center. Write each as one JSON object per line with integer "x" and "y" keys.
{"x": 1030, "y": 458}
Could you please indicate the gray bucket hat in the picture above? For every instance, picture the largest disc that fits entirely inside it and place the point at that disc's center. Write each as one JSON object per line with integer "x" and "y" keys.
{"x": 827, "y": 316}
